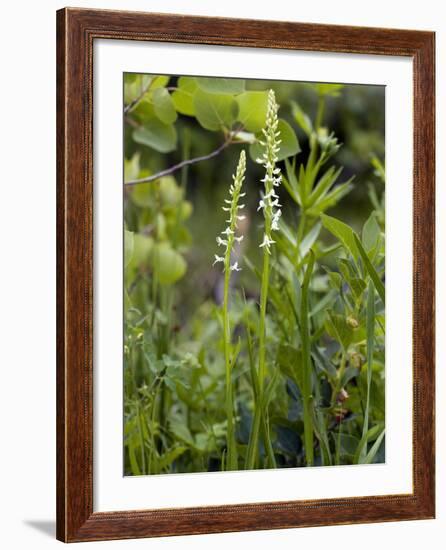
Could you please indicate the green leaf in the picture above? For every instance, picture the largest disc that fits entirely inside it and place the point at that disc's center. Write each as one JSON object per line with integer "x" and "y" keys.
{"x": 349, "y": 374}
{"x": 331, "y": 199}
{"x": 349, "y": 443}
{"x": 131, "y": 168}
{"x": 342, "y": 232}
{"x": 375, "y": 448}
{"x": 169, "y": 265}
{"x": 370, "y": 349}
{"x": 181, "y": 431}
{"x": 128, "y": 247}
{"x": 170, "y": 192}
{"x": 170, "y": 456}
{"x": 252, "y": 110}
{"x": 157, "y": 135}
{"x": 338, "y": 328}
{"x": 335, "y": 280}
{"x": 164, "y": 106}
{"x": 309, "y": 239}
{"x": 214, "y": 111}
{"x": 361, "y": 450}
{"x": 370, "y": 233}
{"x": 221, "y": 85}
{"x": 379, "y": 286}
{"x": 142, "y": 194}
{"x": 307, "y": 389}
{"x": 333, "y": 90}
{"x": 302, "y": 119}
{"x": 142, "y": 246}
{"x": 183, "y": 98}
{"x": 323, "y": 185}
{"x": 288, "y": 147}
{"x": 357, "y": 286}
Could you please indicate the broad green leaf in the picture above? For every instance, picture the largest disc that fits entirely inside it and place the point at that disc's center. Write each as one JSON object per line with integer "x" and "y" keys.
{"x": 141, "y": 251}
{"x": 128, "y": 247}
{"x": 144, "y": 111}
{"x": 168, "y": 264}
{"x": 342, "y": 232}
{"x": 221, "y": 85}
{"x": 183, "y": 97}
{"x": 252, "y": 110}
{"x": 370, "y": 233}
{"x": 157, "y": 135}
{"x": 131, "y": 168}
{"x": 163, "y": 105}
{"x": 159, "y": 81}
{"x": 379, "y": 285}
{"x": 288, "y": 147}
{"x": 143, "y": 194}
{"x": 214, "y": 111}
{"x": 129, "y": 78}
{"x": 170, "y": 192}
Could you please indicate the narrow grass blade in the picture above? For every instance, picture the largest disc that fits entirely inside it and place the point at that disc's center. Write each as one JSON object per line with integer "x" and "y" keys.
{"x": 370, "y": 327}
{"x": 375, "y": 448}
{"x": 306, "y": 360}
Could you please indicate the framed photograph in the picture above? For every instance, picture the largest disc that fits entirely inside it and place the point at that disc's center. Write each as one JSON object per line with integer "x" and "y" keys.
{"x": 245, "y": 275}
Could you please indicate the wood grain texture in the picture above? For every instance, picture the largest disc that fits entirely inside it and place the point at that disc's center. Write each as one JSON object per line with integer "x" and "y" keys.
{"x": 76, "y": 31}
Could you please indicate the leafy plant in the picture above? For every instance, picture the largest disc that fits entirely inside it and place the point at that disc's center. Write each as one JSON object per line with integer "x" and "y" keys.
{"x": 281, "y": 364}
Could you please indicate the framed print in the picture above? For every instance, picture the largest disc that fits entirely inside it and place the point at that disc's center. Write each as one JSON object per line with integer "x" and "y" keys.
{"x": 245, "y": 275}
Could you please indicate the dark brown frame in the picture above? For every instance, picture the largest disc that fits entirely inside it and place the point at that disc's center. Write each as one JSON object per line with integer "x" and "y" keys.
{"x": 76, "y": 31}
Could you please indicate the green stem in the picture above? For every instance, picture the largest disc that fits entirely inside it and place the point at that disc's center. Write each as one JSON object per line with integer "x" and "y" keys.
{"x": 307, "y": 368}
{"x": 259, "y": 416}
{"x": 141, "y": 440}
{"x": 231, "y": 449}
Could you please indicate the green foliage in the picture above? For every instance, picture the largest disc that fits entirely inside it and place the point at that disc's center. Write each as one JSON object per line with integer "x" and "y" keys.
{"x": 281, "y": 364}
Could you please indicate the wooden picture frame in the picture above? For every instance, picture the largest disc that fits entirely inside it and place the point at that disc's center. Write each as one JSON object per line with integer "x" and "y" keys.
{"x": 77, "y": 29}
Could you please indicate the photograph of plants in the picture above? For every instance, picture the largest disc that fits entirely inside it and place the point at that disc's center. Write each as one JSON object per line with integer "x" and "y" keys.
{"x": 254, "y": 269}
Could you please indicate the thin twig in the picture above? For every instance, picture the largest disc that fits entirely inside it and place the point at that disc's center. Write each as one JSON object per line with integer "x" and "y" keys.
{"x": 183, "y": 163}
{"x": 135, "y": 102}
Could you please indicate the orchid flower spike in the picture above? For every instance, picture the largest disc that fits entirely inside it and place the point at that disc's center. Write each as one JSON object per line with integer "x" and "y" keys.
{"x": 233, "y": 207}
{"x": 269, "y": 201}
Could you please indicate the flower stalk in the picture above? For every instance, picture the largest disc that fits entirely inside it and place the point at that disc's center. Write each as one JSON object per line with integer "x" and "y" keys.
{"x": 227, "y": 240}
{"x": 269, "y": 204}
